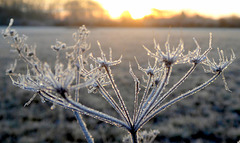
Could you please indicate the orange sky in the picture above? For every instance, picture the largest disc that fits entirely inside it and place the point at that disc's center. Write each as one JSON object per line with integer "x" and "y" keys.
{"x": 141, "y": 8}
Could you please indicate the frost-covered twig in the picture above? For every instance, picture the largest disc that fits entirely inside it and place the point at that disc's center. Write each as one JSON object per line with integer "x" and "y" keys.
{"x": 61, "y": 84}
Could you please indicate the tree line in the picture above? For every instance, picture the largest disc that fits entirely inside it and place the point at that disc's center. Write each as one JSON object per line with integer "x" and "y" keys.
{"x": 79, "y": 12}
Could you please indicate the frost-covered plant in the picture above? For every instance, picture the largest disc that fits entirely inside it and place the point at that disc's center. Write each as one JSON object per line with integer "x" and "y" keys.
{"x": 61, "y": 84}
{"x": 143, "y": 137}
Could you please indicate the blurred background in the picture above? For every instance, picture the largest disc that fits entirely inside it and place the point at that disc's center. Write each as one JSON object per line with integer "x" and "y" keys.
{"x": 212, "y": 115}
{"x": 132, "y": 13}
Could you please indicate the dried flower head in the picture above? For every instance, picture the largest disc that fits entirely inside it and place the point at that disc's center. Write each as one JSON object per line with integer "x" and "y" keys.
{"x": 219, "y": 67}
{"x": 60, "y": 85}
{"x": 12, "y": 67}
{"x": 81, "y": 35}
{"x": 196, "y": 56}
{"x": 168, "y": 57}
{"x": 58, "y": 46}
{"x": 98, "y": 76}
{"x": 102, "y": 61}
{"x": 8, "y": 31}
{"x": 223, "y": 63}
{"x": 149, "y": 70}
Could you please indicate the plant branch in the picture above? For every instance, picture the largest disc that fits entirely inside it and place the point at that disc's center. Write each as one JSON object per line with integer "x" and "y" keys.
{"x": 162, "y": 98}
{"x": 114, "y": 86}
{"x": 111, "y": 101}
{"x": 83, "y": 126}
{"x": 180, "y": 97}
{"x": 151, "y": 100}
{"x": 85, "y": 110}
{"x": 140, "y": 109}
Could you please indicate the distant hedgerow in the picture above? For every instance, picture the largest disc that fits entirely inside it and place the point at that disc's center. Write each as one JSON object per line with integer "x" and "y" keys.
{"x": 61, "y": 84}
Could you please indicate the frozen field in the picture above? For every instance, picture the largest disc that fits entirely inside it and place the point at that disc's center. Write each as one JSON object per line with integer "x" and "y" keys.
{"x": 212, "y": 115}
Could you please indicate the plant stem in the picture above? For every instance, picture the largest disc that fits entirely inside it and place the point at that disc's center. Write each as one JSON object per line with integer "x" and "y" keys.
{"x": 159, "y": 101}
{"x": 114, "y": 86}
{"x": 144, "y": 97}
{"x": 111, "y": 101}
{"x": 180, "y": 97}
{"x": 84, "y": 128}
{"x": 134, "y": 136}
{"x": 151, "y": 99}
{"x": 84, "y": 109}
{"x": 78, "y": 116}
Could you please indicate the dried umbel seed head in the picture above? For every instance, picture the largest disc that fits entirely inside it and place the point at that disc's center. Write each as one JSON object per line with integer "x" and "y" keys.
{"x": 224, "y": 62}
{"x": 59, "y": 46}
{"x": 61, "y": 83}
{"x": 30, "y": 54}
{"x": 196, "y": 57}
{"x": 169, "y": 57}
{"x": 150, "y": 71}
{"x": 12, "y": 32}
{"x": 12, "y": 67}
{"x": 102, "y": 61}
{"x": 62, "y": 91}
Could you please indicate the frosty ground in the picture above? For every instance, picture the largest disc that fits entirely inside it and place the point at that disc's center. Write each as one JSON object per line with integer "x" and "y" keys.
{"x": 212, "y": 115}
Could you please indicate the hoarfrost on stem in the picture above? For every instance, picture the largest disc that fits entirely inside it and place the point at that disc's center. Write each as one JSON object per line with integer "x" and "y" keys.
{"x": 61, "y": 84}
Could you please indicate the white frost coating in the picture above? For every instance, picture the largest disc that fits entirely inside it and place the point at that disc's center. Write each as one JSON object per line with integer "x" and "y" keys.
{"x": 61, "y": 84}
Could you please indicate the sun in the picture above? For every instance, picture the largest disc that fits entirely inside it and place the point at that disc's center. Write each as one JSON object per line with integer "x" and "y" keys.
{"x": 140, "y": 8}
{"x": 137, "y": 9}
{"x": 139, "y": 13}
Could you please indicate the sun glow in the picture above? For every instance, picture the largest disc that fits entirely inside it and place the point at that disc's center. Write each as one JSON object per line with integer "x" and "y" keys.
{"x": 139, "y": 8}
{"x": 139, "y": 13}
